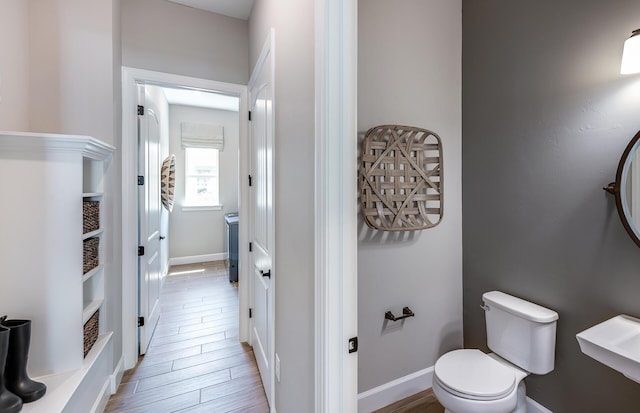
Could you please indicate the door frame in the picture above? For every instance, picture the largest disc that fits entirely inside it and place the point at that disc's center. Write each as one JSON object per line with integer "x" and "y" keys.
{"x": 130, "y": 78}
{"x": 336, "y": 240}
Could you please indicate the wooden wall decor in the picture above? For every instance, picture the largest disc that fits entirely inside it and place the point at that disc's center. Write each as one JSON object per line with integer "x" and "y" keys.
{"x": 401, "y": 182}
{"x": 168, "y": 181}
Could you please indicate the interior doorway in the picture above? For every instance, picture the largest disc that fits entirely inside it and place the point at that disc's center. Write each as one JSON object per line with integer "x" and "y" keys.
{"x": 132, "y": 78}
{"x": 197, "y": 132}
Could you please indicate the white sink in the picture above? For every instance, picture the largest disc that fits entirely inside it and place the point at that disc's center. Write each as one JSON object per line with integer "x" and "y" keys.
{"x": 615, "y": 343}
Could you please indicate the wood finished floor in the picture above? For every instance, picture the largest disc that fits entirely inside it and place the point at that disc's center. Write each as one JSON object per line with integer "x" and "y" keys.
{"x": 195, "y": 363}
{"x": 423, "y": 402}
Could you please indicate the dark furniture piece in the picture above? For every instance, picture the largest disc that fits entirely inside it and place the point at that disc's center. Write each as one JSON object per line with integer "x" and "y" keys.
{"x": 232, "y": 245}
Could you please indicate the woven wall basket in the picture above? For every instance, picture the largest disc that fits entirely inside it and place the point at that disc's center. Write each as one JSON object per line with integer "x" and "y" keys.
{"x": 168, "y": 181}
{"x": 401, "y": 179}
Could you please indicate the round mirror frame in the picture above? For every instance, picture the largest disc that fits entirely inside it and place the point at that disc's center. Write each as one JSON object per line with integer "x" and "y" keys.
{"x": 616, "y": 188}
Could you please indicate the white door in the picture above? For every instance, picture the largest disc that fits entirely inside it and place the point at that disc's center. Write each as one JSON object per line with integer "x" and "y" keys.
{"x": 262, "y": 270}
{"x": 148, "y": 219}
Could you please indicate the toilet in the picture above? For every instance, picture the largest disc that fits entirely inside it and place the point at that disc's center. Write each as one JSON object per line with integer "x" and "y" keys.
{"x": 522, "y": 336}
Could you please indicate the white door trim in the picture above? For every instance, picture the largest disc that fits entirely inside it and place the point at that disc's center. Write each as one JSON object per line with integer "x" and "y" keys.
{"x": 336, "y": 205}
{"x": 130, "y": 77}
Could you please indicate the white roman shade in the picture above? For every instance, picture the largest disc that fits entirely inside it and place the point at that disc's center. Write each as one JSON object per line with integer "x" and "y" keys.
{"x": 200, "y": 135}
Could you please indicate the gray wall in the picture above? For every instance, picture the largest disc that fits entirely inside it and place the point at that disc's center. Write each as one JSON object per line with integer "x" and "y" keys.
{"x": 409, "y": 74}
{"x": 14, "y": 65}
{"x": 546, "y": 116}
{"x": 293, "y": 192}
{"x": 167, "y": 37}
{"x": 186, "y": 227}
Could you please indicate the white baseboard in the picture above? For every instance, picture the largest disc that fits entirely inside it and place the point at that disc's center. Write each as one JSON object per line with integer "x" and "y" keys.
{"x": 116, "y": 376}
{"x": 103, "y": 398}
{"x": 395, "y": 390}
{"x": 535, "y": 407}
{"x": 194, "y": 259}
{"x": 409, "y": 385}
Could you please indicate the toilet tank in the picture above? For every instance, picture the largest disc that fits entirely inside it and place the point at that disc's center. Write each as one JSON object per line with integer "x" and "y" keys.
{"x": 520, "y": 331}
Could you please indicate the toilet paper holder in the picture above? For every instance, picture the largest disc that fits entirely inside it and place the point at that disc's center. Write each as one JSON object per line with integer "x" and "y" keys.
{"x": 406, "y": 313}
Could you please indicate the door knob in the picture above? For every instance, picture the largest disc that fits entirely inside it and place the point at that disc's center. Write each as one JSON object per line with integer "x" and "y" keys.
{"x": 266, "y": 273}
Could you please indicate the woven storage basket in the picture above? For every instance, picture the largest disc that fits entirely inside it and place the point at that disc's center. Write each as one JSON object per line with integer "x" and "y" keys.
{"x": 90, "y": 258}
{"x": 90, "y": 216}
{"x": 91, "y": 330}
{"x": 401, "y": 183}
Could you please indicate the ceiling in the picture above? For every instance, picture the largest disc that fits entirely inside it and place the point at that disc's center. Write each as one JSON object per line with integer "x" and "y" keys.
{"x": 240, "y": 9}
{"x": 197, "y": 98}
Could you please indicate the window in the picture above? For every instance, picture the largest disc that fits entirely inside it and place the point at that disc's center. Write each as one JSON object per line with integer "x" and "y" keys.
{"x": 202, "y": 184}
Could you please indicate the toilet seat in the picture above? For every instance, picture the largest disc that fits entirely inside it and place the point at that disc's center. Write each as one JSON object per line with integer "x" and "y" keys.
{"x": 472, "y": 374}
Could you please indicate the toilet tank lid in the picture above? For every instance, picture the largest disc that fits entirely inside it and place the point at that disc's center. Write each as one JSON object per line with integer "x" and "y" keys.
{"x": 519, "y": 307}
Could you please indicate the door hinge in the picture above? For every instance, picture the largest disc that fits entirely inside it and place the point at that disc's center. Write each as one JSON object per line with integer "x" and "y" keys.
{"x": 249, "y": 115}
{"x": 353, "y": 345}
{"x": 250, "y": 313}
{"x": 250, "y": 246}
{"x": 140, "y": 321}
{"x": 140, "y": 251}
{"x": 140, "y": 180}
{"x": 140, "y": 110}
{"x": 250, "y": 180}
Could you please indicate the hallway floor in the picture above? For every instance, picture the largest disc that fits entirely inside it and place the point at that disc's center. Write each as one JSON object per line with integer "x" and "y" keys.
{"x": 195, "y": 362}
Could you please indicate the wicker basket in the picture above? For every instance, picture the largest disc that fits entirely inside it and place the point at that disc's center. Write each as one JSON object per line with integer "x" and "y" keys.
{"x": 401, "y": 183}
{"x": 91, "y": 331}
{"x": 90, "y": 257}
{"x": 90, "y": 216}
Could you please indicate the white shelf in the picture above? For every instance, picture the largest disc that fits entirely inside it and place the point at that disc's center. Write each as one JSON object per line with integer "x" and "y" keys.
{"x": 92, "y": 273}
{"x": 61, "y": 388}
{"x": 90, "y": 308}
{"x": 92, "y": 233}
{"x": 75, "y": 167}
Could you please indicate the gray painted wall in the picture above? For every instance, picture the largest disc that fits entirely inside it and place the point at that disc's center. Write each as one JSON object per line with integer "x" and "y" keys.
{"x": 546, "y": 116}
{"x": 203, "y": 232}
{"x": 167, "y": 37}
{"x": 14, "y": 64}
{"x": 293, "y": 192}
{"x": 410, "y": 74}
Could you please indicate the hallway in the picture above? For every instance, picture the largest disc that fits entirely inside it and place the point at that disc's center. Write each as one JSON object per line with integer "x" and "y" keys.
{"x": 195, "y": 362}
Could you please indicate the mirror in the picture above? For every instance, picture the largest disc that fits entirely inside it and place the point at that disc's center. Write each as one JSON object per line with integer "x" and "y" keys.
{"x": 626, "y": 189}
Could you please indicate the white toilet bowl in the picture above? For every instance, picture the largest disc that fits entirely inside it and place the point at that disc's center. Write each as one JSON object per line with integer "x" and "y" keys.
{"x": 470, "y": 381}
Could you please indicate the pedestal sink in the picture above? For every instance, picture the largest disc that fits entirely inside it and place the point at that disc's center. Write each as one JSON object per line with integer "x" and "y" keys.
{"x": 615, "y": 343}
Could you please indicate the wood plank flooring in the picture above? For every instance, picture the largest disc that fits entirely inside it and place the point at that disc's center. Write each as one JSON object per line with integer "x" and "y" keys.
{"x": 195, "y": 362}
{"x": 423, "y": 402}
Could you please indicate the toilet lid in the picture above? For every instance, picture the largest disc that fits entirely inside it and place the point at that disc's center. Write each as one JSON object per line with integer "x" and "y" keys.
{"x": 474, "y": 375}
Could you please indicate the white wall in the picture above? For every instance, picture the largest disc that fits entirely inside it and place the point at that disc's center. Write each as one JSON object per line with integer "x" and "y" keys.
{"x": 294, "y": 192}
{"x": 410, "y": 74}
{"x": 14, "y": 65}
{"x": 172, "y": 38}
{"x": 203, "y": 232}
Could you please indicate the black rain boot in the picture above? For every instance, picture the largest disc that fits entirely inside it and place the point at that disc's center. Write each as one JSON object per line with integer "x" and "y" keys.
{"x": 9, "y": 402}
{"x": 15, "y": 371}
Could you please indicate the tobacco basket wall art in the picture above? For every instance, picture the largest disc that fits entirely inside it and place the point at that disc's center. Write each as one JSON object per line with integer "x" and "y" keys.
{"x": 401, "y": 182}
{"x": 168, "y": 181}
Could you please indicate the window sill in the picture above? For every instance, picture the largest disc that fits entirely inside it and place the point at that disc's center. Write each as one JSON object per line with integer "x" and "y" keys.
{"x": 187, "y": 208}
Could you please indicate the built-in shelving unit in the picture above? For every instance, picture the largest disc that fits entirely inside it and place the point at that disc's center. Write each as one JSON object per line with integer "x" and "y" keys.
{"x": 47, "y": 177}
